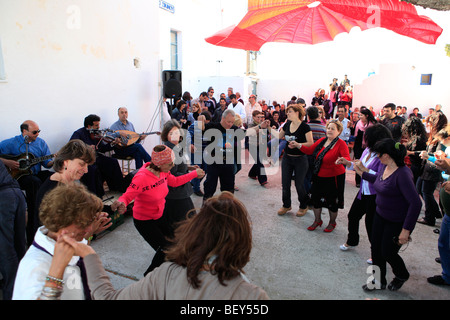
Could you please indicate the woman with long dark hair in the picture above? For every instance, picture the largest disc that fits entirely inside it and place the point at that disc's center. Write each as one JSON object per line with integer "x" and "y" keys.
{"x": 364, "y": 203}
{"x": 414, "y": 131}
{"x": 366, "y": 120}
{"x": 397, "y": 207}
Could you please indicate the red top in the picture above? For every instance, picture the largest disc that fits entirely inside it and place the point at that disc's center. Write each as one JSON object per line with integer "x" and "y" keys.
{"x": 329, "y": 168}
{"x": 149, "y": 192}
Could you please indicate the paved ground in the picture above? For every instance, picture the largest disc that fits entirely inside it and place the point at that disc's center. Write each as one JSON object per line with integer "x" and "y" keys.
{"x": 288, "y": 261}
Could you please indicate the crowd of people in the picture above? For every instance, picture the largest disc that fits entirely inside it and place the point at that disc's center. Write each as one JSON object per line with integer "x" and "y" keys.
{"x": 45, "y": 231}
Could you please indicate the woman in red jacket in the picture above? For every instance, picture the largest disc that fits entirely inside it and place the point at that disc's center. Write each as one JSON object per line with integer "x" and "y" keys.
{"x": 149, "y": 189}
{"x": 329, "y": 177}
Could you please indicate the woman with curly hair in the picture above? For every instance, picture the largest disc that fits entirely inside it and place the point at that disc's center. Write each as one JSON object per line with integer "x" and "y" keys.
{"x": 71, "y": 210}
{"x": 205, "y": 262}
{"x": 415, "y": 134}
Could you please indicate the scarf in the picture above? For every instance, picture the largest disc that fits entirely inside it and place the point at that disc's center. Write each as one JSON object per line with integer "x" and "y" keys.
{"x": 319, "y": 158}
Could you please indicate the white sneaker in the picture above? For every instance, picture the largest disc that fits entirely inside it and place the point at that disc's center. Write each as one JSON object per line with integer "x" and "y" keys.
{"x": 344, "y": 247}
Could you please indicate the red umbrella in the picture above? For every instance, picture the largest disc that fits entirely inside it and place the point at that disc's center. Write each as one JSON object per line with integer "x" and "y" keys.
{"x": 309, "y": 22}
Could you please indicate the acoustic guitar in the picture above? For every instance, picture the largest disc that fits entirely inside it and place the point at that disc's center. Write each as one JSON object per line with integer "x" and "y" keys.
{"x": 127, "y": 138}
{"x": 25, "y": 163}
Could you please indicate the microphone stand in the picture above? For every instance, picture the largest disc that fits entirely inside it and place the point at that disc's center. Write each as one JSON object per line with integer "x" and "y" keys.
{"x": 27, "y": 156}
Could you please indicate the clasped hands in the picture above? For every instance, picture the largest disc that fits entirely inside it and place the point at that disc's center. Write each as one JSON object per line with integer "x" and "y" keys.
{"x": 357, "y": 165}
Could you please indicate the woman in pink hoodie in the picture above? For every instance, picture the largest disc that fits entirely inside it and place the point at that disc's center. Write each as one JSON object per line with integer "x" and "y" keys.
{"x": 149, "y": 189}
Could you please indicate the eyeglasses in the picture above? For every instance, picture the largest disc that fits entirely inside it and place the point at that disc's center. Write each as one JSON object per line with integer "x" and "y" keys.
{"x": 35, "y": 132}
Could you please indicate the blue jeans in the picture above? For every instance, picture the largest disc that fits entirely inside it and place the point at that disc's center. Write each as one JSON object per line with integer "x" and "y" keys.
{"x": 276, "y": 155}
{"x": 444, "y": 248}
{"x": 12, "y": 236}
{"x": 196, "y": 182}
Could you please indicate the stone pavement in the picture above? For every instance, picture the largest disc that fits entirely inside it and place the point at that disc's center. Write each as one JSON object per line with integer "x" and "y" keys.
{"x": 287, "y": 260}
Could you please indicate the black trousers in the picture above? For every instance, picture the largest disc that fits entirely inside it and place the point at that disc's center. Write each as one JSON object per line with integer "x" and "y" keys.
{"x": 385, "y": 250}
{"x": 31, "y": 184}
{"x": 289, "y": 166}
{"x": 155, "y": 233}
{"x": 214, "y": 173}
{"x": 104, "y": 169}
{"x": 258, "y": 170}
{"x": 176, "y": 211}
{"x": 360, "y": 207}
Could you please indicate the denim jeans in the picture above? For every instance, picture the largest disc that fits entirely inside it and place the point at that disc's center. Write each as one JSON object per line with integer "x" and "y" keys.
{"x": 196, "y": 182}
{"x": 289, "y": 166}
{"x": 277, "y": 153}
{"x": 12, "y": 236}
{"x": 444, "y": 248}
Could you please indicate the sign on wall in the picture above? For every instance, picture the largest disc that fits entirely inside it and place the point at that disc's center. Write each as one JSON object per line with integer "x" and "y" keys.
{"x": 167, "y": 6}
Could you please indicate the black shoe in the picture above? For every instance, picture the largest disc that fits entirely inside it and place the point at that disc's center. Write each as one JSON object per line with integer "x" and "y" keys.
{"x": 437, "y": 231}
{"x": 373, "y": 287}
{"x": 199, "y": 193}
{"x": 396, "y": 284}
{"x": 438, "y": 260}
{"x": 426, "y": 222}
{"x": 438, "y": 280}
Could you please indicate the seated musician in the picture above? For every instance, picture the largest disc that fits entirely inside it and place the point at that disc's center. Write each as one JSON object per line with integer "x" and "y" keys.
{"x": 135, "y": 150}
{"x": 105, "y": 168}
{"x": 30, "y": 179}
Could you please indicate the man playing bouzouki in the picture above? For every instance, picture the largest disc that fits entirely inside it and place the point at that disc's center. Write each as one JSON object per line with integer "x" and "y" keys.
{"x": 30, "y": 179}
{"x": 135, "y": 150}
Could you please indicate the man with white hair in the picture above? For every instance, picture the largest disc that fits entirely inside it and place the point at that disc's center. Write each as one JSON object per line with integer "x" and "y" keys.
{"x": 223, "y": 153}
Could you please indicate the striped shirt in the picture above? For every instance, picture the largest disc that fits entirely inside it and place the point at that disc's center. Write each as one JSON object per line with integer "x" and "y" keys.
{"x": 318, "y": 129}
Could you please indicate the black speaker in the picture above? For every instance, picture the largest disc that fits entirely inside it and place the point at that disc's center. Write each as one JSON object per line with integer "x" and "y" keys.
{"x": 172, "y": 84}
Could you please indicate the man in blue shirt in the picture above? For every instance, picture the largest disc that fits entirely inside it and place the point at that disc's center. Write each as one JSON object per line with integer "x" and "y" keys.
{"x": 135, "y": 150}
{"x": 30, "y": 183}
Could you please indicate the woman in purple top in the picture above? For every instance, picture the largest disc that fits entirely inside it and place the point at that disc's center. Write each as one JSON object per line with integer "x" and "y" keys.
{"x": 364, "y": 203}
{"x": 398, "y": 206}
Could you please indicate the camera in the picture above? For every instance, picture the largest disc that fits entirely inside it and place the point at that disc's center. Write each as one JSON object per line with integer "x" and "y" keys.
{"x": 290, "y": 138}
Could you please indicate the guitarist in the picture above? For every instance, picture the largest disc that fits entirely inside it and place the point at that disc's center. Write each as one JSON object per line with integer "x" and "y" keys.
{"x": 135, "y": 150}
{"x": 17, "y": 146}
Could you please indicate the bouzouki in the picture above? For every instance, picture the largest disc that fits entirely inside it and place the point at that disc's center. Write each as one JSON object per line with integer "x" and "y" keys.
{"x": 25, "y": 163}
{"x": 127, "y": 138}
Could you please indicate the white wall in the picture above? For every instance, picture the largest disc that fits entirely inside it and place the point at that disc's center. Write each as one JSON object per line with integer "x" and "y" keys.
{"x": 65, "y": 61}
{"x": 400, "y": 84}
{"x": 197, "y": 20}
